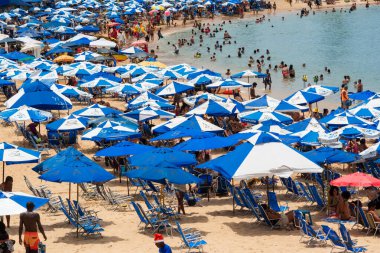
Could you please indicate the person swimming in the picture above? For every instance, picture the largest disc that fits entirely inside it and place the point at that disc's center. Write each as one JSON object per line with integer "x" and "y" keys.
{"x": 226, "y": 35}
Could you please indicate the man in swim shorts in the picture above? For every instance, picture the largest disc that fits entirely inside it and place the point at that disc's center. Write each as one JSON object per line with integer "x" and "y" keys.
{"x": 30, "y": 220}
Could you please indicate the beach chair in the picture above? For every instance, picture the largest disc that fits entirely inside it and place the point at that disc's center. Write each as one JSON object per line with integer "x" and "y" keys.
{"x": 84, "y": 211}
{"x": 361, "y": 219}
{"x": 242, "y": 197}
{"x": 53, "y": 204}
{"x": 117, "y": 202}
{"x": 314, "y": 192}
{"x": 155, "y": 222}
{"x": 373, "y": 225}
{"x": 191, "y": 240}
{"x": 309, "y": 232}
{"x": 318, "y": 179}
{"x": 86, "y": 228}
{"x": 306, "y": 194}
{"x": 252, "y": 205}
{"x": 272, "y": 223}
{"x": 334, "y": 238}
{"x": 81, "y": 215}
{"x": 346, "y": 235}
{"x": 273, "y": 204}
{"x": 285, "y": 182}
{"x": 235, "y": 195}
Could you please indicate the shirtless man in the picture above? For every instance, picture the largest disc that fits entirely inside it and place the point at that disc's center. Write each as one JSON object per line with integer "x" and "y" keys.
{"x": 31, "y": 221}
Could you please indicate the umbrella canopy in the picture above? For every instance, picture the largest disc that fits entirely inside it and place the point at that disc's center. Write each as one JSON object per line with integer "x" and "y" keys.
{"x": 204, "y": 79}
{"x": 343, "y": 119}
{"x": 303, "y": 98}
{"x": 364, "y": 95}
{"x": 194, "y": 100}
{"x": 371, "y": 152}
{"x": 174, "y": 88}
{"x": 149, "y": 113}
{"x": 214, "y": 108}
{"x": 111, "y": 131}
{"x": 25, "y": 113}
{"x": 72, "y": 166}
{"x": 132, "y": 50}
{"x": 69, "y": 123}
{"x": 248, "y": 73}
{"x": 229, "y": 84}
{"x": 64, "y": 58}
{"x": 259, "y": 116}
{"x": 310, "y": 124}
{"x": 194, "y": 122}
{"x": 159, "y": 155}
{"x": 144, "y": 97}
{"x": 103, "y": 43}
{"x": 39, "y": 95}
{"x": 156, "y": 64}
{"x": 12, "y": 203}
{"x": 198, "y": 144}
{"x": 251, "y": 160}
{"x": 163, "y": 174}
{"x": 86, "y": 56}
{"x": 270, "y": 126}
{"x": 357, "y": 179}
{"x": 124, "y": 148}
{"x": 327, "y": 155}
{"x": 365, "y": 112}
{"x": 284, "y": 106}
{"x": 261, "y": 102}
{"x": 96, "y": 110}
{"x": 100, "y": 82}
{"x": 321, "y": 90}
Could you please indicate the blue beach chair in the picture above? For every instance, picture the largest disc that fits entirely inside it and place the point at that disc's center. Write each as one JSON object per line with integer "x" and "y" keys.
{"x": 191, "y": 240}
{"x": 273, "y": 204}
{"x": 334, "y": 238}
{"x": 314, "y": 192}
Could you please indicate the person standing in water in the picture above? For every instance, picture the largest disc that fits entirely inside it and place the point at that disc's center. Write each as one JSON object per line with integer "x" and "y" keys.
{"x": 31, "y": 221}
{"x": 159, "y": 34}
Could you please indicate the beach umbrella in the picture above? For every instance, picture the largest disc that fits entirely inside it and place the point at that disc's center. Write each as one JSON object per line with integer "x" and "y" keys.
{"x": 99, "y": 82}
{"x": 321, "y": 90}
{"x": 168, "y": 155}
{"x": 365, "y": 112}
{"x": 12, "y": 203}
{"x": 64, "y": 30}
{"x": 357, "y": 179}
{"x": 343, "y": 119}
{"x": 310, "y": 124}
{"x": 250, "y": 160}
{"x": 256, "y": 117}
{"x": 12, "y": 154}
{"x": 169, "y": 74}
{"x": 261, "y": 102}
{"x": 69, "y": 123}
{"x": 96, "y": 110}
{"x": 214, "y": 108}
{"x": 144, "y": 97}
{"x": 284, "y": 106}
{"x": 204, "y": 79}
{"x": 303, "y": 98}
{"x": 198, "y": 144}
{"x": 152, "y": 104}
{"x": 59, "y": 50}
{"x": 248, "y": 73}
{"x": 181, "y": 132}
{"x": 194, "y": 122}
{"x": 131, "y": 50}
{"x": 156, "y": 64}
{"x": 86, "y": 56}
{"x": 364, "y": 95}
{"x": 371, "y": 152}
{"x": 149, "y": 113}
{"x": 111, "y": 131}
{"x": 194, "y": 100}
{"x": 102, "y": 43}
{"x": 74, "y": 167}
{"x": 64, "y": 58}
{"x": 39, "y": 95}
{"x": 88, "y": 29}
{"x": 125, "y": 88}
{"x": 163, "y": 173}
{"x": 18, "y": 56}
{"x": 174, "y": 88}
{"x": 270, "y": 126}
{"x": 124, "y": 148}
{"x": 228, "y": 84}
{"x": 25, "y": 113}
{"x": 327, "y": 155}
{"x": 351, "y": 132}
{"x": 147, "y": 75}
{"x": 70, "y": 91}
{"x": 202, "y": 72}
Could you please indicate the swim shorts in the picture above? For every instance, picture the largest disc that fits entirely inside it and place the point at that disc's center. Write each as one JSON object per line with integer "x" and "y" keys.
{"x": 31, "y": 240}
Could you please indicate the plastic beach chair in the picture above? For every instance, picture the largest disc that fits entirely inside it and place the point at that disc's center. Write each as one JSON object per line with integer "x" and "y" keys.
{"x": 273, "y": 204}
{"x": 190, "y": 241}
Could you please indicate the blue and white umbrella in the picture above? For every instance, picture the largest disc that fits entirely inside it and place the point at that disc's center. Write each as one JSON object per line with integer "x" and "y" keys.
{"x": 214, "y": 108}
{"x": 64, "y": 30}
{"x": 131, "y": 50}
{"x": 12, "y": 203}
{"x": 44, "y": 76}
{"x": 25, "y": 113}
{"x": 71, "y": 91}
{"x": 145, "y": 76}
{"x": 96, "y": 110}
{"x": 351, "y": 132}
{"x": 371, "y": 152}
{"x": 12, "y": 154}
{"x": 262, "y": 115}
{"x": 86, "y": 56}
{"x": 248, "y": 73}
{"x": 270, "y": 126}
{"x": 79, "y": 72}
{"x": 99, "y": 82}
{"x": 261, "y": 102}
{"x": 143, "y": 98}
{"x": 204, "y": 79}
{"x": 344, "y": 119}
{"x": 149, "y": 113}
{"x": 69, "y": 123}
{"x": 322, "y": 90}
{"x": 284, "y": 106}
{"x": 194, "y": 100}
{"x": 153, "y": 104}
{"x": 229, "y": 84}
{"x": 303, "y": 98}
{"x": 364, "y": 95}
{"x": 310, "y": 124}
{"x": 207, "y": 72}
{"x": 111, "y": 131}
{"x": 174, "y": 88}
{"x": 365, "y": 112}
{"x": 149, "y": 84}
{"x": 169, "y": 74}
{"x": 125, "y": 88}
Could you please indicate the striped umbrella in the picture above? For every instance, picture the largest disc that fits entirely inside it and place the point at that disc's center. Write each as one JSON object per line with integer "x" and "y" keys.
{"x": 96, "y": 110}
{"x": 149, "y": 113}
{"x": 68, "y": 123}
{"x": 259, "y": 116}
{"x": 25, "y": 113}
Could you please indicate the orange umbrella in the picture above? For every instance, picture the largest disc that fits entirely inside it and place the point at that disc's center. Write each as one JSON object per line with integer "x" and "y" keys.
{"x": 64, "y": 58}
{"x": 357, "y": 179}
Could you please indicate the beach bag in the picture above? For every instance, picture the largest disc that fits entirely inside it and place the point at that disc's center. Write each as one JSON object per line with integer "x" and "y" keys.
{"x": 348, "y": 102}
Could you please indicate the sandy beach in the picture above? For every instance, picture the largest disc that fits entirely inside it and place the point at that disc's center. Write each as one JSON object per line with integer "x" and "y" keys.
{"x": 223, "y": 230}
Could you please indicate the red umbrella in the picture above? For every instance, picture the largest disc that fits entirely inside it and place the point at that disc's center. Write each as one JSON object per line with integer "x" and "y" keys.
{"x": 357, "y": 179}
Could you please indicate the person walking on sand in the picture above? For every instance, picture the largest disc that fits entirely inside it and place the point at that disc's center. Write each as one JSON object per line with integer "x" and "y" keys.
{"x": 159, "y": 34}
{"x": 7, "y": 187}
{"x": 30, "y": 220}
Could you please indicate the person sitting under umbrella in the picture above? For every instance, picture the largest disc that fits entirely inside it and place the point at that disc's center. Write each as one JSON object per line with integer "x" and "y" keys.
{"x": 285, "y": 218}
{"x": 343, "y": 208}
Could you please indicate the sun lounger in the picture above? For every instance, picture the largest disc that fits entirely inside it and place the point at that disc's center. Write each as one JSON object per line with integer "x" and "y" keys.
{"x": 333, "y": 237}
{"x": 314, "y": 192}
{"x": 374, "y": 225}
{"x": 273, "y": 204}
{"x": 191, "y": 240}
{"x": 272, "y": 223}
{"x": 306, "y": 194}
{"x": 309, "y": 232}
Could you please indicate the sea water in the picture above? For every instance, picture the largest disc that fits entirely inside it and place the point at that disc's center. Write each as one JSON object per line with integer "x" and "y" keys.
{"x": 346, "y": 43}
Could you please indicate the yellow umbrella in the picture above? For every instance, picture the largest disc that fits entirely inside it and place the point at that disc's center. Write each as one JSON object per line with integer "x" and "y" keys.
{"x": 158, "y": 7}
{"x": 156, "y": 64}
{"x": 64, "y": 58}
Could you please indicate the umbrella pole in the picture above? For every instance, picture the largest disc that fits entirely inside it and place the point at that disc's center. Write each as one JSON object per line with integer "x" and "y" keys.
{"x": 273, "y": 183}
{"x": 3, "y": 171}
{"x": 77, "y": 210}
{"x": 69, "y": 195}
{"x": 267, "y": 178}
{"x": 125, "y": 164}
{"x": 233, "y": 198}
